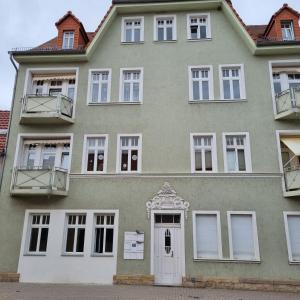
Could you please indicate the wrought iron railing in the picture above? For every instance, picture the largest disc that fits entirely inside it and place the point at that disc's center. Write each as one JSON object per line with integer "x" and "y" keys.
{"x": 45, "y": 103}
{"x": 292, "y": 178}
{"x": 39, "y": 178}
{"x": 287, "y": 100}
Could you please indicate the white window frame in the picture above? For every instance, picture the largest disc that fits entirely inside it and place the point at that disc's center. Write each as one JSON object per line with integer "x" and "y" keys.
{"x": 90, "y": 86}
{"x": 105, "y": 226}
{"x": 205, "y": 15}
{"x": 29, "y": 83}
{"x": 286, "y": 214}
{"x": 123, "y": 27}
{"x": 28, "y": 234}
{"x": 66, "y": 44}
{"x": 204, "y": 212}
{"x": 248, "y": 160}
{"x": 85, "y": 152}
{"x": 155, "y": 28}
{"x": 210, "y": 82}
{"x": 213, "y": 152}
{"x": 291, "y": 28}
{"x": 118, "y": 160}
{"x": 242, "y": 81}
{"x": 254, "y": 230}
{"x": 141, "y": 82}
{"x": 76, "y": 226}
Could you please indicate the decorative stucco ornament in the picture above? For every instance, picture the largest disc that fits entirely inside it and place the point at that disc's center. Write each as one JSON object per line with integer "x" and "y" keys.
{"x": 166, "y": 198}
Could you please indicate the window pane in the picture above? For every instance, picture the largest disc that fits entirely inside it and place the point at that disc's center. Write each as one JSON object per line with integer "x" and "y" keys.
{"x": 33, "y": 239}
{"x": 128, "y": 35}
{"x": 100, "y": 161}
{"x": 65, "y": 157}
{"x": 205, "y": 90}
{"x": 208, "y": 160}
{"x": 134, "y": 160}
{"x": 242, "y": 237}
{"x": 80, "y": 240}
{"x": 198, "y": 161}
{"x": 226, "y": 87}
{"x": 126, "y": 91}
{"x": 294, "y": 233}
{"x": 71, "y": 92}
{"x": 160, "y": 34}
{"x": 109, "y": 240}
{"x": 196, "y": 92}
{"x": 207, "y": 236}
{"x": 70, "y": 239}
{"x": 104, "y": 92}
{"x": 236, "y": 89}
{"x": 203, "y": 32}
{"x": 137, "y": 35}
{"x": 124, "y": 160}
{"x": 90, "y": 161}
{"x": 48, "y": 161}
{"x": 194, "y": 32}
{"x": 99, "y": 240}
{"x": 169, "y": 33}
{"x": 241, "y": 160}
{"x": 231, "y": 160}
{"x": 43, "y": 239}
{"x": 136, "y": 89}
{"x": 277, "y": 87}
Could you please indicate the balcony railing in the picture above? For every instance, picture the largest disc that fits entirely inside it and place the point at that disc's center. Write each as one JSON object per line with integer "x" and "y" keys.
{"x": 39, "y": 181}
{"x": 43, "y": 106}
{"x": 292, "y": 181}
{"x": 288, "y": 104}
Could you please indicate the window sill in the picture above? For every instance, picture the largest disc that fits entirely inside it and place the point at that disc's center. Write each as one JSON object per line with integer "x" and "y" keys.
{"x": 294, "y": 262}
{"x": 200, "y": 40}
{"x": 73, "y": 255}
{"x": 167, "y": 41}
{"x": 222, "y": 260}
{"x": 114, "y": 103}
{"x": 35, "y": 254}
{"x": 133, "y": 43}
{"x": 216, "y": 101}
{"x": 102, "y": 255}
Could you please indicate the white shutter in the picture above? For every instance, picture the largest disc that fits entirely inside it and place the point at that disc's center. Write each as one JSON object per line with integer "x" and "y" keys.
{"x": 294, "y": 233}
{"x": 242, "y": 237}
{"x": 207, "y": 236}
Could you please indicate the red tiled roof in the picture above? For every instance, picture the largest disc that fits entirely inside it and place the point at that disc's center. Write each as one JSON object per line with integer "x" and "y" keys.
{"x": 4, "y": 122}
{"x": 256, "y": 31}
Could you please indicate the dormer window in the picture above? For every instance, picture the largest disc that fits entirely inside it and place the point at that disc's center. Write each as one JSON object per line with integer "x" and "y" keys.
{"x": 68, "y": 40}
{"x": 287, "y": 31}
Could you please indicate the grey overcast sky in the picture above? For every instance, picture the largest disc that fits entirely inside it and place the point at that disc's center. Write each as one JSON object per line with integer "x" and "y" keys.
{"x": 29, "y": 23}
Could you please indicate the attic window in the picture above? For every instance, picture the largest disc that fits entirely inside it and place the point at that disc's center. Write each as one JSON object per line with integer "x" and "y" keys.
{"x": 287, "y": 31}
{"x": 68, "y": 40}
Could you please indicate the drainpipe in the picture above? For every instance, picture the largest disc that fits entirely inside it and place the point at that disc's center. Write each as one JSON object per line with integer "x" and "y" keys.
{"x": 10, "y": 115}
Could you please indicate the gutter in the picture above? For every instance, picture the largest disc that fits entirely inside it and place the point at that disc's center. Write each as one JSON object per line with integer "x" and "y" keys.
{"x": 10, "y": 115}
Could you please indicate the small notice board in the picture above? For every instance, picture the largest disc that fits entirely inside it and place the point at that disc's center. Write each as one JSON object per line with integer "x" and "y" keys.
{"x": 134, "y": 245}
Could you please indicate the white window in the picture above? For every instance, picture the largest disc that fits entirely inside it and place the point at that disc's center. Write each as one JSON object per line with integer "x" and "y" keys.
{"x": 285, "y": 79}
{"x": 243, "y": 239}
{"x": 75, "y": 233}
{"x": 203, "y": 152}
{"x": 131, "y": 85}
{"x": 201, "y": 83}
{"x": 292, "y": 230}
{"x": 232, "y": 82}
{"x": 165, "y": 28}
{"x": 237, "y": 156}
{"x": 198, "y": 26}
{"x": 38, "y": 233}
{"x": 129, "y": 153}
{"x": 95, "y": 154}
{"x": 100, "y": 86}
{"x": 104, "y": 231}
{"x": 133, "y": 30}
{"x": 46, "y": 154}
{"x": 71, "y": 89}
{"x": 68, "y": 40}
{"x": 287, "y": 31}
{"x": 207, "y": 235}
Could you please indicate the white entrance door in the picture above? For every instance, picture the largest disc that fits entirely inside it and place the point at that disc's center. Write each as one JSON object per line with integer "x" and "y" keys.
{"x": 167, "y": 250}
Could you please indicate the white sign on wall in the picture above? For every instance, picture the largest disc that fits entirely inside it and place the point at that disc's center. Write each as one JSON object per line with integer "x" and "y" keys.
{"x": 134, "y": 245}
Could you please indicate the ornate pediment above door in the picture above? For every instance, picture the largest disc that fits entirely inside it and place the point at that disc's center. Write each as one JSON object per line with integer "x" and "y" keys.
{"x": 166, "y": 199}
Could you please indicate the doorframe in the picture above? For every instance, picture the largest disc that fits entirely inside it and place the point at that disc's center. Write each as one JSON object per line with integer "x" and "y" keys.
{"x": 171, "y": 212}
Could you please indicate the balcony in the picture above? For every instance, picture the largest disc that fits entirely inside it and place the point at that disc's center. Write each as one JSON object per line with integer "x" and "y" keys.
{"x": 288, "y": 104}
{"x": 39, "y": 182}
{"x": 292, "y": 181}
{"x": 47, "y": 109}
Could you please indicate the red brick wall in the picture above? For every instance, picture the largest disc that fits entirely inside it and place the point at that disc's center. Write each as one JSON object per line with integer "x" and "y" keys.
{"x": 285, "y": 15}
{"x": 4, "y": 121}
